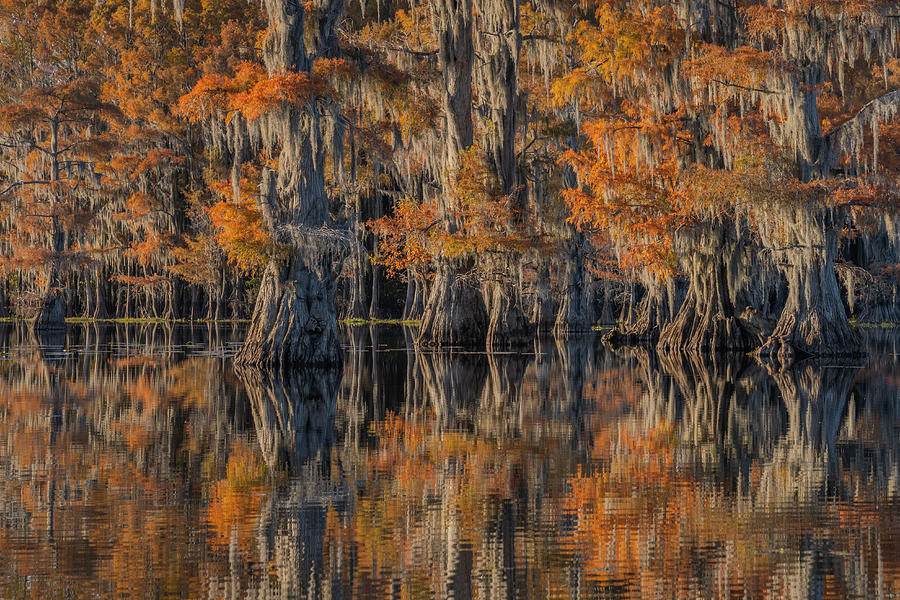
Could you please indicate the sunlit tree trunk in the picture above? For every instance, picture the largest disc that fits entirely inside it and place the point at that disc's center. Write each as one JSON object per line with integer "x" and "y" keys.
{"x": 294, "y": 320}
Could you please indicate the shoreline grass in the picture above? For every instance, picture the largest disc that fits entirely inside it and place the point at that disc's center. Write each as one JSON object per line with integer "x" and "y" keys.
{"x": 158, "y": 321}
{"x": 359, "y": 322}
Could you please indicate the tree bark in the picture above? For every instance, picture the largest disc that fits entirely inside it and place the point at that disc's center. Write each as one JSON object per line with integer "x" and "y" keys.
{"x": 706, "y": 319}
{"x": 294, "y": 321}
{"x": 415, "y": 298}
{"x": 574, "y": 314}
{"x": 543, "y": 315}
{"x": 51, "y": 312}
{"x": 454, "y": 314}
{"x": 643, "y": 321}
{"x": 813, "y": 321}
{"x": 507, "y": 325}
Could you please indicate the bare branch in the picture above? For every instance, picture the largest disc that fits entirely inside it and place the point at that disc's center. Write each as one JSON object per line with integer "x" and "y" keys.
{"x": 19, "y": 184}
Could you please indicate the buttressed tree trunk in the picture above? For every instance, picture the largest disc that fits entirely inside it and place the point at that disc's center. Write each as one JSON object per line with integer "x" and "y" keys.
{"x": 643, "y": 320}
{"x": 415, "y": 297}
{"x": 542, "y": 311}
{"x": 294, "y": 320}
{"x": 454, "y": 312}
{"x": 706, "y": 319}
{"x": 813, "y": 321}
{"x": 507, "y": 325}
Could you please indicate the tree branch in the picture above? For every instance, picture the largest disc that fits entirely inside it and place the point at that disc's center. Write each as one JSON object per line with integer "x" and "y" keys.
{"x": 19, "y": 184}
{"x": 744, "y": 87}
{"x": 866, "y": 112}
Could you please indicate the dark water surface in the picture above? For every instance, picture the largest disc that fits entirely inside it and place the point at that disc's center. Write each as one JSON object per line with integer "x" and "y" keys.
{"x": 137, "y": 463}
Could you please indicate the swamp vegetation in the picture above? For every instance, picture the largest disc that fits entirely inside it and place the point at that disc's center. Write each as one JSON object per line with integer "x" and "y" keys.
{"x": 697, "y": 174}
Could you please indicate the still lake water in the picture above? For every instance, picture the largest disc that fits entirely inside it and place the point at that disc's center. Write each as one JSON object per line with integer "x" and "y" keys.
{"x": 135, "y": 462}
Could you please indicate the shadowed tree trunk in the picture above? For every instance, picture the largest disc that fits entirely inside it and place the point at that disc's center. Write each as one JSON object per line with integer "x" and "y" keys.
{"x": 706, "y": 319}
{"x": 51, "y": 312}
{"x": 878, "y": 300}
{"x": 4, "y": 299}
{"x": 574, "y": 314}
{"x": 543, "y": 314}
{"x": 507, "y": 325}
{"x": 644, "y": 319}
{"x": 499, "y": 39}
{"x": 356, "y": 307}
{"x": 813, "y": 321}
{"x": 414, "y": 305}
{"x": 454, "y": 312}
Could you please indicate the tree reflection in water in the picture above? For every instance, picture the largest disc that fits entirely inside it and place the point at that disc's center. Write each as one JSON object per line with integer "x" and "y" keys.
{"x": 136, "y": 462}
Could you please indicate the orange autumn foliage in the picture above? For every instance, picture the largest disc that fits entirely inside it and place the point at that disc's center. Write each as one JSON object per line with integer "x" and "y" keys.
{"x": 239, "y": 228}
{"x": 478, "y": 218}
{"x": 252, "y": 92}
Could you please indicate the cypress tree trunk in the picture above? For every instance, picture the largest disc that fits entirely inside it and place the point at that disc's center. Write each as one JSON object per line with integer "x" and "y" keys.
{"x": 454, "y": 314}
{"x": 643, "y": 320}
{"x": 574, "y": 314}
{"x": 410, "y": 296}
{"x": 706, "y": 319}
{"x": 51, "y": 312}
{"x": 415, "y": 297}
{"x": 879, "y": 299}
{"x": 356, "y": 306}
{"x": 294, "y": 320}
{"x": 99, "y": 297}
{"x": 813, "y": 321}
{"x": 543, "y": 314}
{"x": 507, "y": 325}
{"x": 499, "y": 40}
{"x": 374, "y": 308}
{"x": 4, "y": 299}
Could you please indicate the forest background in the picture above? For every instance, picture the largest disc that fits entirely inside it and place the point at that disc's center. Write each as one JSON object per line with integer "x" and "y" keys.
{"x": 696, "y": 174}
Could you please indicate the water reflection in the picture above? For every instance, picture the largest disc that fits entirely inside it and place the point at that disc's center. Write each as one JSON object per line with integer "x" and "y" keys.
{"x": 136, "y": 462}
